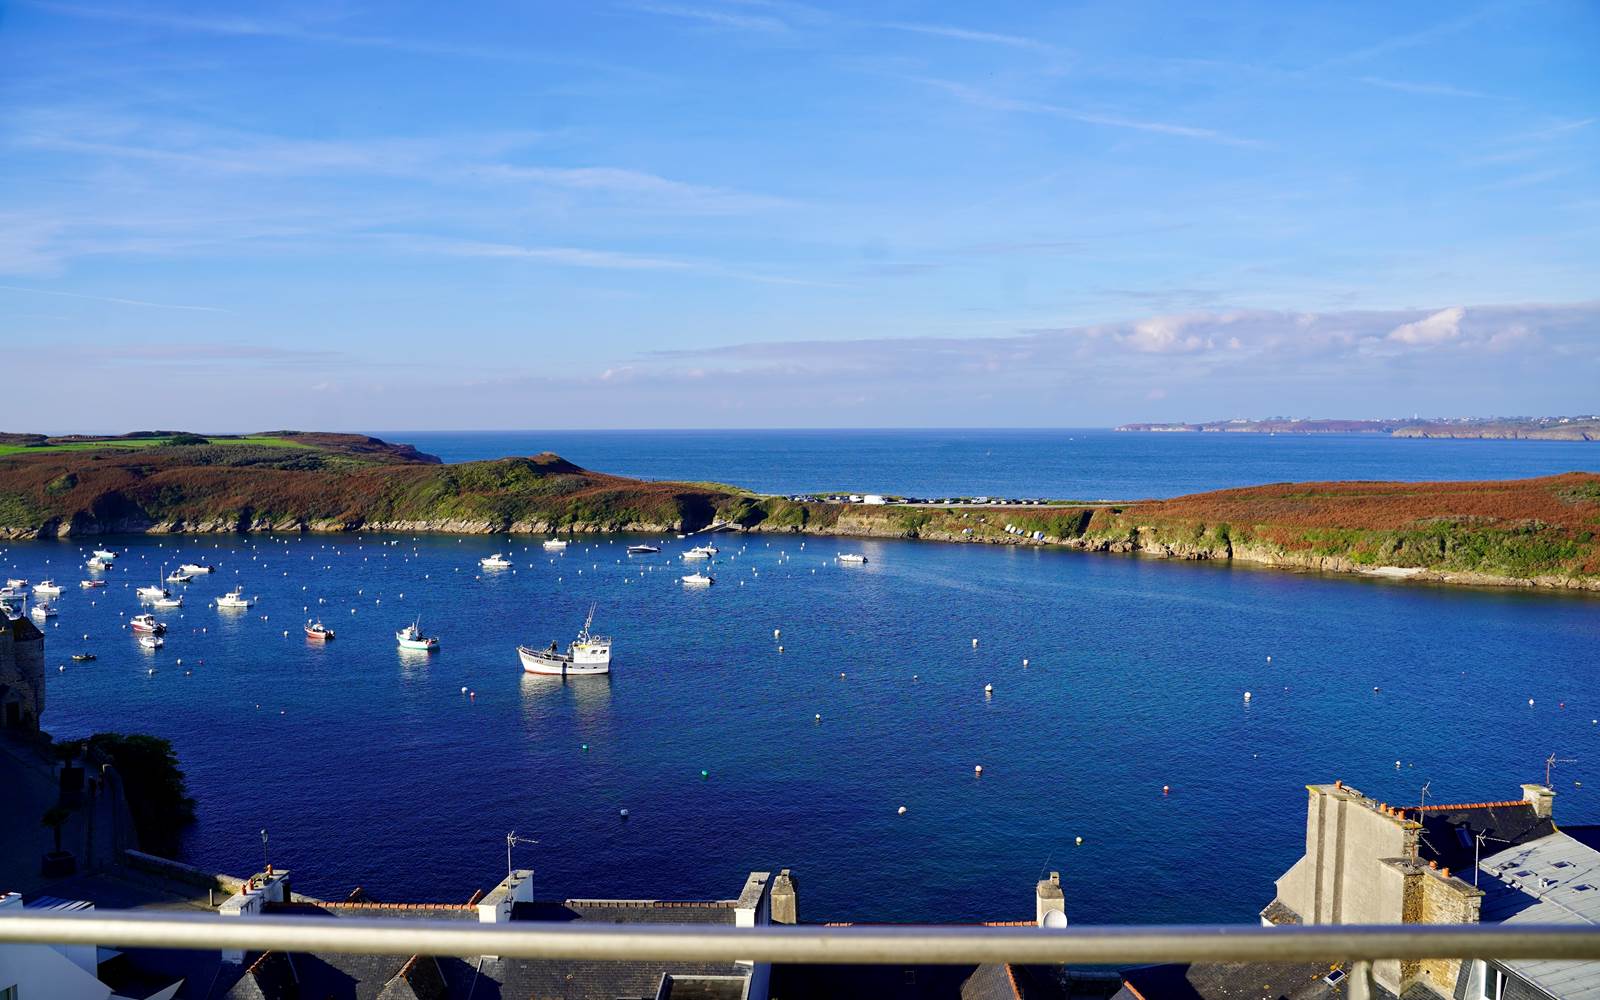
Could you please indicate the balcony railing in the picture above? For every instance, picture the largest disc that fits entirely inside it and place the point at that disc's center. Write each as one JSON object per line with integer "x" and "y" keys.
{"x": 1357, "y": 946}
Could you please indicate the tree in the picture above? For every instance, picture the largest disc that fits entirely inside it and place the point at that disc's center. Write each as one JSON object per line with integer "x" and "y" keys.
{"x": 154, "y": 786}
{"x": 55, "y": 818}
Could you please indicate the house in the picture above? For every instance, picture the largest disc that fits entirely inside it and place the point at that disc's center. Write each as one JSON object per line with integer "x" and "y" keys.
{"x": 21, "y": 674}
{"x": 1368, "y": 862}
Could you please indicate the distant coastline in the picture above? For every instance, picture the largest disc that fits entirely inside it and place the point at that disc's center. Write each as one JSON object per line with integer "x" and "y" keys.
{"x": 1542, "y": 532}
{"x": 1581, "y": 428}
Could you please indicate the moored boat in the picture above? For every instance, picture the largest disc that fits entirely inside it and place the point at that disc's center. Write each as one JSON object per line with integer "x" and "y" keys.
{"x": 196, "y": 569}
{"x": 642, "y": 550}
{"x": 98, "y": 565}
{"x": 46, "y": 588}
{"x": 44, "y": 609}
{"x": 105, "y": 554}
{"x": 233, "y": 599}
{"x": 411, "y": 637}
{"x": 496, "y": 561}
{"x": 698, "y": 579}
{"x": 700, "y": 552}
{"x": 179, "y": 576}
{"x": 555, "y": 544}
{"x": 168, "y": 602}
{"x": 318, "y": 631}
{"x": 852, "y": 557}
{"x": 91, "y": 584}
{"x": 587, "y": 654}
{"x": 82, "y": 657}
{"x": 146, "y": 623}
{"x": 152, "y": 641}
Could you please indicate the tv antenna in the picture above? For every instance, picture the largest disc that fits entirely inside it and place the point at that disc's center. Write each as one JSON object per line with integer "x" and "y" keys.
{"x": 1550, "y": 763}
{"x": 512, "y": 840}
{"x": 1477, "y": 851}
{"x": 1425, "y": 786}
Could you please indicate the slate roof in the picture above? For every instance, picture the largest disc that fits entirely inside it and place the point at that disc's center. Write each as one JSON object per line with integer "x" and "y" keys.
{"x": 1552, "y": 880}
{"x": 1235, "y": 981}
{"x": 22, "y": 629}
{"x": 1449, "y": 831}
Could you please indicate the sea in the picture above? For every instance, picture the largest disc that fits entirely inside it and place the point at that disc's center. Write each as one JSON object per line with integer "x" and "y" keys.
{"x": 1069, "y": 464}
{"x": 784, "y": 716}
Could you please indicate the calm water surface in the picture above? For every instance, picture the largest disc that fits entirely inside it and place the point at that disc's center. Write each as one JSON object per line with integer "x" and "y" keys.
{"x": 1059, "y": 464}
{"x": 370, "y": 767}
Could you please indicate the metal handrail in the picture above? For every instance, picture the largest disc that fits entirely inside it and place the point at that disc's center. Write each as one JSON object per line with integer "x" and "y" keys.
{"x": 809, "y": 944}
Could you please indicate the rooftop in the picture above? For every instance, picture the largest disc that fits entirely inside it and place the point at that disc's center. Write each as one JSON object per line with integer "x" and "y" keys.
{"x": 1551, "y": 880}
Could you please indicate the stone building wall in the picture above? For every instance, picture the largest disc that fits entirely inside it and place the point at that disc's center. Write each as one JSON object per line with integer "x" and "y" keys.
{"x": 21, "y": 674}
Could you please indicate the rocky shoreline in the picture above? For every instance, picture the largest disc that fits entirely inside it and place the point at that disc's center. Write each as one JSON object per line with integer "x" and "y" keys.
{"x": 1147, "y": 543}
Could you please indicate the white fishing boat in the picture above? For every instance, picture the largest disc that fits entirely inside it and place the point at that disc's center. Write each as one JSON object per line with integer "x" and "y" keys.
{"x": 852, "y": 557}
{"x": 179, "y": 576}
{"x": 152, "y": 593}
{"x": 196, "y": 569}
{"x": 698, "y": 579}
{"x": 233, "y": 599}
{"x": 98, "y": 565}
{"x": 700, "y": 552}
{"x": 318, "y": 631}
{"x": 105, "y": 554}
{"x": 588, "y": 654}
{"x": 91, "y": 584}
{"x": 411, "y": 637}
{"x": 555, "y": 544}
{"x": 642, "y": 550}
{"x": 496, "y": 561}
{"x": 47, "y": 588}
{"x": 152, "y": 641}
{"x": 146, "y": 623}
{"x": 167, "y": 602}
{"x": 44, "y": 609}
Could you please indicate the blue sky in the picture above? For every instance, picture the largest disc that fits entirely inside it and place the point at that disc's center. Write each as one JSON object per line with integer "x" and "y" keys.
{"x": 742, "y": 213}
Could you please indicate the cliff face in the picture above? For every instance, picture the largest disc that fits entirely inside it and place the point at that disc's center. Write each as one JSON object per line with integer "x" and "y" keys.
{"x": 1530, "y": 533}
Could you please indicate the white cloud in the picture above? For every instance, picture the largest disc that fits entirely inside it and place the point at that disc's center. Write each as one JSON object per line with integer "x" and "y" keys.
{"x": 1442, "y": 326}
{"x": 1164, "y": 335}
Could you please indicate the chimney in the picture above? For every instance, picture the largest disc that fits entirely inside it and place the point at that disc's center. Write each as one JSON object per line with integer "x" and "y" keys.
{"x": 1543, "y": 799}
{"x": 785, "y": 907}
{"x": 1049, "y": 900}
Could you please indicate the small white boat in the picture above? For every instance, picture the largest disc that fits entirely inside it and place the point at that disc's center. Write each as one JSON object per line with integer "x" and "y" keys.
{"x": 587, "y": 654}
{"x": 16, "y": 583}
{"x": 195, "y": 569}
{"x": 179, "y": 576}
{"x": 698, "y": 579}
{"x": 105, "y": 554}
{"x": 152, "y": 641}
{"x": 233, "y": 599}
{"x": 411, "y": 637}
{"x": 91, "y": 584}
{"x": 852, "y": 557}
{"x": 555, "y": 544}
{"x": 44, "y": 609}
{"x": 152, "y": 593}
{"x": 167, "y": 602}
{"x": 47, "y": 588}
{"x": 318, "y": 631}
{"x": 496, "y": 561}
{"x": 642, "y": 550}
{"x": 146, "y": 623}
{"x": 700, "y": 552}
{"x": 98, "y": 565}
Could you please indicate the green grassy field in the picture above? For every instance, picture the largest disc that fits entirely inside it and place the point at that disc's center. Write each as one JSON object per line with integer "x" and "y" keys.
{"x": 256, "y": 439}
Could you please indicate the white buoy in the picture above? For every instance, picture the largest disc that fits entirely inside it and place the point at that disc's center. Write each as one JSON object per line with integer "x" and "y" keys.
{"x": 974, "y": 644}
{"x": 463, "y": 690}
{"x": 777, "y": 632}
{"x": 1079, "y": 841}
{"x": 623, "y": 813}
{"x": 988, "y": 689}
{"x": 819, "y": 717}
{"x": 978, "y": 770}
{"x": 1247, "y": 696}
{"x": 1024, "y": 661}
{"x": 1530, "y": 702}
{"x": 902, "y": 810}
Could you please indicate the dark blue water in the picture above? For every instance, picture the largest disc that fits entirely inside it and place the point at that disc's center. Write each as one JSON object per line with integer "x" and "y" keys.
{"x": 370, "y": 767}
{"x": 1058, "y": 464}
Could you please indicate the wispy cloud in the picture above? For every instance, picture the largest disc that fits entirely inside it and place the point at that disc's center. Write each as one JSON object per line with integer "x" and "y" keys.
{"x": 568, "y": 256}
{"x": 970, "y": 35}
{"x": 1409, "y": 39}
{"x": 285, "y": 30}
{"x": 984, "y": 99}
{"x": 713, "y": 16}
{"x": 112, "y": 299}
{"x": 1423, "y": 88}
